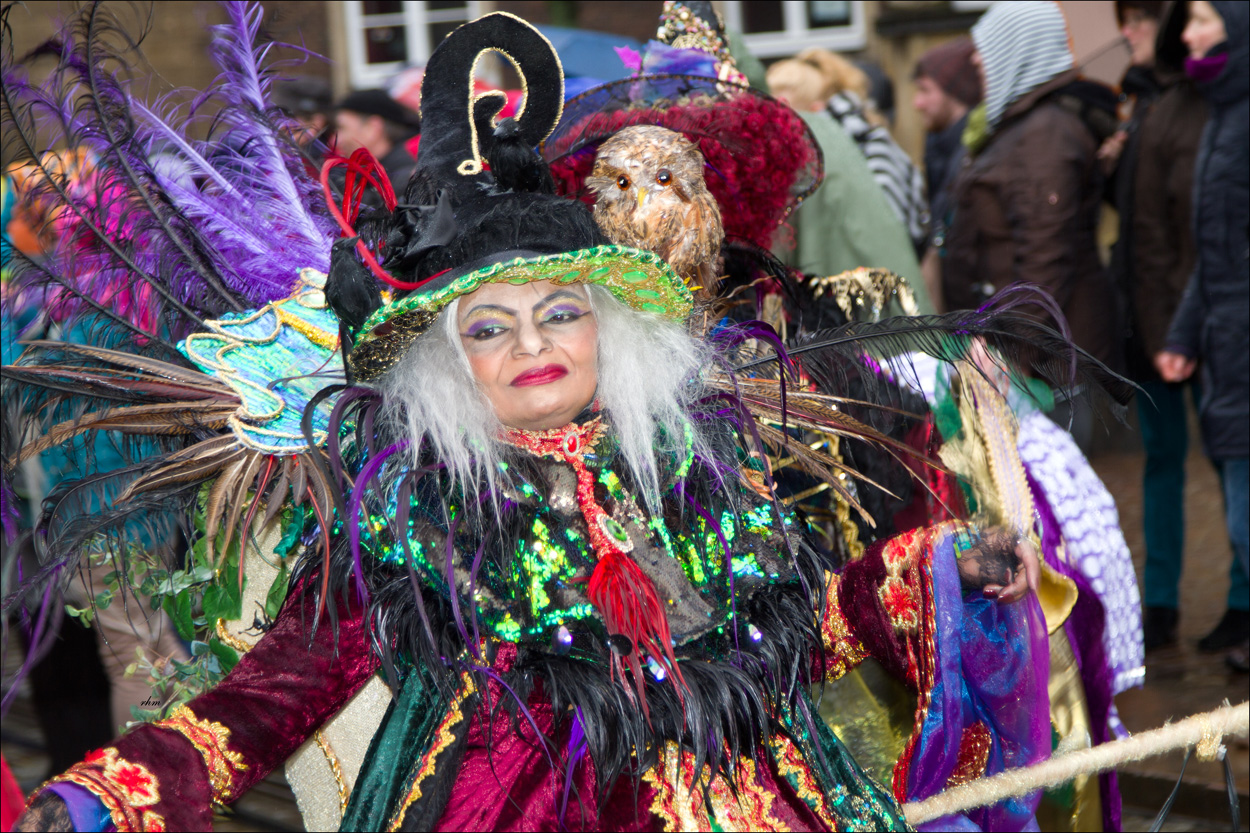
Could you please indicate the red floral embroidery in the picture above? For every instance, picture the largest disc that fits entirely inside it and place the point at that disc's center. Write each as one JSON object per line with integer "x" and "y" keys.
{"x": 134, "y": 781}
{"x": 900, "y": 603}
{"x": 124, "y": 787}
{"x": 974, "y": 754}
{"x": 899, "y": 554}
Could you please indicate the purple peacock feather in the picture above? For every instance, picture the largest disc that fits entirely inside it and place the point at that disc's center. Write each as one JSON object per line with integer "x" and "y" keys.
{"x": 257, "y": 204}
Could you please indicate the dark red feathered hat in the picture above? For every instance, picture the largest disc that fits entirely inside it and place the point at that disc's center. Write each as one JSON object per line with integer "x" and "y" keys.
{"x": 761, "y": 158}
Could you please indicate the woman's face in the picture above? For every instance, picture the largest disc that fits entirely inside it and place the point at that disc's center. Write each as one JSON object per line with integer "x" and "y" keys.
{"x": 1140, "y": 30}
{"x": 533, "y": 350}
{"x": 1204, "y": 30}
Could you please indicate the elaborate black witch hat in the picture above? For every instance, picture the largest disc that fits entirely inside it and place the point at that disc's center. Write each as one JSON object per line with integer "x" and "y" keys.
{"x": 480, "y": 207}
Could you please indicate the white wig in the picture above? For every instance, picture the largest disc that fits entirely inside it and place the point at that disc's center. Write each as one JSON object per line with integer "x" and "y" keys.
{"x": 649, "y": 376}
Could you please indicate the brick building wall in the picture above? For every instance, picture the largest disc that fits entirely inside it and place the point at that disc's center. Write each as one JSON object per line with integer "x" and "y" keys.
{"x": 177, "y": 37}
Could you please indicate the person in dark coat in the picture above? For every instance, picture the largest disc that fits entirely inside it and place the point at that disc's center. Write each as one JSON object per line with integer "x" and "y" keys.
{"x": 1026, "y": 205}
{"x": 1212, "y": 325}
{"x": 947, "y": 87}
{"x": 307, "y": 100}
{"x": 371, "y": 119}
{"x": 1151, "y": 264}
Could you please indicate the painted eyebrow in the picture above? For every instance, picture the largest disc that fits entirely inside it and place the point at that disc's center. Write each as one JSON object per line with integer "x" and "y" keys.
{"x": 480, "y": 308}
{"x": 554, "y": 296}
{"x": 562, "y": 293}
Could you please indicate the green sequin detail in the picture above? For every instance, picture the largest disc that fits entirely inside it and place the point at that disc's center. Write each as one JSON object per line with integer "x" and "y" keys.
{"x": 539, "y": 591}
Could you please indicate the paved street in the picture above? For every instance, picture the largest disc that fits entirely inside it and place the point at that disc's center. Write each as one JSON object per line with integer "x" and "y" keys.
{"x": 1181, "y": 681}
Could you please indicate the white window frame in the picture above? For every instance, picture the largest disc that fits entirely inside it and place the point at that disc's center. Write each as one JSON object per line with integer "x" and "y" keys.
{"x": 415, "y": 18}
{"x": 797, "y": 35}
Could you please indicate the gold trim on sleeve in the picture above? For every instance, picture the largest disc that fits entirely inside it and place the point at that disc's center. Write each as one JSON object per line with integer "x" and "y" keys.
{"x": 212, "y": 740}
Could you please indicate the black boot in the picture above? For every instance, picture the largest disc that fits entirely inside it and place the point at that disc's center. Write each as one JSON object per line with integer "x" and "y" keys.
{"x": 1232, "y": 630}
{"x": 1159, "y": 627}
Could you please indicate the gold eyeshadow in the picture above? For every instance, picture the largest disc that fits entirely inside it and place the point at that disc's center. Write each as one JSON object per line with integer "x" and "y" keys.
{"x": 491, "y": 315}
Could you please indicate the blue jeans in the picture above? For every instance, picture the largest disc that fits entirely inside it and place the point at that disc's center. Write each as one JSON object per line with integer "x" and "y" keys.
{"x": 1235, "y": 472}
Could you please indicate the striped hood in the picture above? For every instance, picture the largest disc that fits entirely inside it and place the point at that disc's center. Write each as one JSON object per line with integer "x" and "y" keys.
{"x": 1023, "y": 45}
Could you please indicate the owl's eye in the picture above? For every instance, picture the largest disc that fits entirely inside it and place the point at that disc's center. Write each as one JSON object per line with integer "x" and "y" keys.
{"x": 664, "y": 177}
{"x": 622, "y": 182}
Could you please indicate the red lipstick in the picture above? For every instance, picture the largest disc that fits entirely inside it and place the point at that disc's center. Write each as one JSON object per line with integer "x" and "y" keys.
{"x": 544, "y": 375}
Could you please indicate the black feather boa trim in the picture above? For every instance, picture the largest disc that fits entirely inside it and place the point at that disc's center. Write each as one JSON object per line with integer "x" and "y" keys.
{"x": 739, "y": 689}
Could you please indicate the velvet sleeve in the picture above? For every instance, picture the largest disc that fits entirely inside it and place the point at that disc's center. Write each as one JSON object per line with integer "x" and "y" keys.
{"x": 877, "y": 606}
{"x": 979, "y": 667}
{"x": 167, "y": 775}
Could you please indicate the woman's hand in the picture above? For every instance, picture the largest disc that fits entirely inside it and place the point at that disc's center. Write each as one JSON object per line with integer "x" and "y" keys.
{"x": 1023, "y": 579}
{"x": 1001, "y": 565}
{"x": 1174, "y": 367}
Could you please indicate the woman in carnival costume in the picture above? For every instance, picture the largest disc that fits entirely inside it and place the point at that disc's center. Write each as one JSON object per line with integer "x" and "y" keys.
{"x": 542, "y": 508}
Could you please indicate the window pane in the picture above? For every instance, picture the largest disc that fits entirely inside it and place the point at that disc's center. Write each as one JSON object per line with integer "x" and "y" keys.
{"x": 828, "y": 13}
{"x": 438, "y": 31}
{"x": 762, "y": 16}
{"x": 436, "y": 5}
{"x": 383, "y": 6}
{"x": 384, "y": 44}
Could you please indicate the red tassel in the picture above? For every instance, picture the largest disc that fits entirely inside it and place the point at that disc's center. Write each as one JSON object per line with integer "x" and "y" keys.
{"x": 629, "y": 605}
{"x": 622, "y": 593}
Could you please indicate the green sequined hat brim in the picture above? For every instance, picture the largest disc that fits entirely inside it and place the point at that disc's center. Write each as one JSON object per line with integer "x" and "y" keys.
{"x": 641, "y": 280}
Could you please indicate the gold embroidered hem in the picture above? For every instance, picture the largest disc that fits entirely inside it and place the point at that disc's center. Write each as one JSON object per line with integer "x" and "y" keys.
{"x": 843, "y": 651}
{"x": 336, "y": 769}
{"x": 125, "y": 789}
{"x": 443, "y": 738}
{"x": 920, "y": 670}
{"x": 679, "y": 797}
{"x": 212, "y": 740}
{"x": 794, "y": 769}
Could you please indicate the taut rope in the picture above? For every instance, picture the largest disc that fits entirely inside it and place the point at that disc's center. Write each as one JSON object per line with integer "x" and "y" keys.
{"x": 1202, "y": 730}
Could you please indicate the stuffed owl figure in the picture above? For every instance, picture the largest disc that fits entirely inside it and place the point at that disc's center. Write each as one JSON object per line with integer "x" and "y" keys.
{"x": 650, "y": 194}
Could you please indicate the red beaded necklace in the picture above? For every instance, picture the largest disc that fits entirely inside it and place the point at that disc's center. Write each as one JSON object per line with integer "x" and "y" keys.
{"x": 618, "y": 588}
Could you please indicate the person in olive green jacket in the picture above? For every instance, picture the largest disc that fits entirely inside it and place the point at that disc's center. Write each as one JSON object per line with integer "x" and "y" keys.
{"x": 847, "y": 222}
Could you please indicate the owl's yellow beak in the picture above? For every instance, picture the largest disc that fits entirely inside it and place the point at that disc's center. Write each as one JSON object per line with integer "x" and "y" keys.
{"x": 642, "y": 195}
